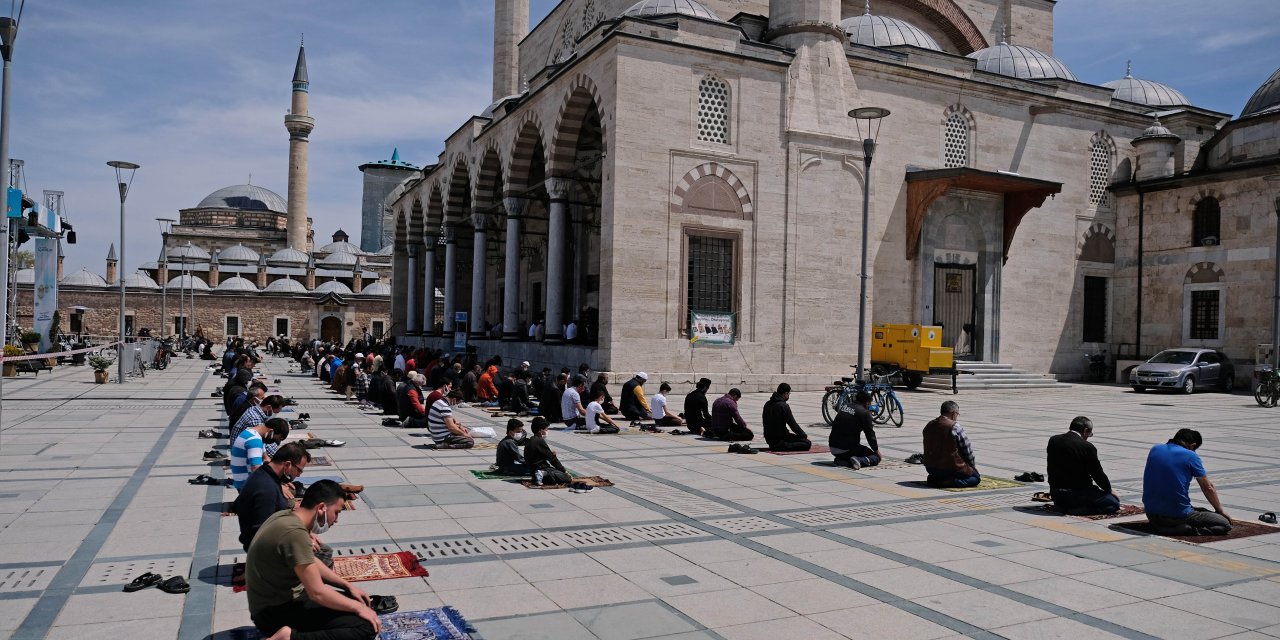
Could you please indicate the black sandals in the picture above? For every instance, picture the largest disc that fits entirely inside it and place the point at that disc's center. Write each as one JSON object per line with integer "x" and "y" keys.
{"x": 176, "y": 584}
{"x": 1268, "y": 517}
{"x": 143, "y": 581}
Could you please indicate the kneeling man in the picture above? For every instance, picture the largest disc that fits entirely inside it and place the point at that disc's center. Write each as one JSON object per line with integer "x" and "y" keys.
{"x": 1166, "y": 485}
{"x": 1077, "y": 482}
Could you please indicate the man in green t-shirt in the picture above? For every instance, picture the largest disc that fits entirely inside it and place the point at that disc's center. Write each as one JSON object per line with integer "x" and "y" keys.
{"x": 288, "y": 599}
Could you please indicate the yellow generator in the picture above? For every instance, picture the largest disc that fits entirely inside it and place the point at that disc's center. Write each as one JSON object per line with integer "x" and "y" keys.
{"x": 914, "y": 350}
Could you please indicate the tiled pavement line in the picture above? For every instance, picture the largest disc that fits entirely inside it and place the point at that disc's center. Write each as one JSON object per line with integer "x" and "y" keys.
{"x": 40, "y": 620}
{"x": 851, "y": 583}
{"x": 197, "y": 608}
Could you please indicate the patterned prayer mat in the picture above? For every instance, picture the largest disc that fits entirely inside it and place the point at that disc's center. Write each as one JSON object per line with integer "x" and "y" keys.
{"x": 817, "y": 448}
{"x": 491, "y": 475}
{"x": 478, "y": 446}
{"x": 320, "y": 461}
{"x": 884, "y": 464}
{"x": 431, "y": 624}
{"x": 988, "y": 483}
{"x": 595, "y": 481}
{"x": 1125, "y": 511}
{"x": 376, "y": 566}
{"x": 1239, "y": 529}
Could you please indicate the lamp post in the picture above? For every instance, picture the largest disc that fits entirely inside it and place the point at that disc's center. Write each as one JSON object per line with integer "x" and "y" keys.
{"x": 123, "y": 170}
{"x": 165, "y": 225}
{"x": 872, "y": 116}
{"x": 1274, "y": 182}
{"x": 8, "y": 37}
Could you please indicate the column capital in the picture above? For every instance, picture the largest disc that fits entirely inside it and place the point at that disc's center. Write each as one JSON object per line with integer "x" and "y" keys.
{"x": 557, "y": 188}
{"x": 481, "y": 221}
{"x": 413, "y": 250}
{"x": 514, "y": 207}
{"x": 450, "y": 236}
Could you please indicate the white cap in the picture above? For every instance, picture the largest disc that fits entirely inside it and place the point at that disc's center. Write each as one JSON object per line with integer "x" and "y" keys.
{"x": 359, "y": 356}
{"x": 525, "y": 363}
{"x": 643, "y": 376}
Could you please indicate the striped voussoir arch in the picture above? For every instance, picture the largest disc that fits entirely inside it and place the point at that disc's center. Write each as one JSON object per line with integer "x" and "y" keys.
{"x": 582, "y": 96}
{"x": 714, "y": 170}
{"x": 489, "y": 178}
{"x": 458, "y": 202}
{"x": 524, "y": 153}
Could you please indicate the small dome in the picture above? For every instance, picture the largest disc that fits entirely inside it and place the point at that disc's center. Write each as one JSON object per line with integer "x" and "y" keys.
{"x": 238, "y": 285}
{"x": 285, "y": 285}
{"x": 1148, "y": 92}
{"x": 655, "y": 8}
{"x": 1156, "y": 131}
{"x": 333, "y": 286}
{"x": 287, "y": 257}
{"x": 188, "y": 282}
{"x": 338, "y": 260}
{"x": 188, "y": 254}
{"x": 881, "y": 31}
{"x": 84, "y": 278}
{"x": 1266, "y": 98}
{"x": 140, "y": 280}
{"x": 238, "y": 254}
{"x": 25, "y": 276}
{"x": 340, "y": 247}
{"x": 1021, "y": 62}
{"x": 377, "y": 289}
{"x": 245, "y": 197}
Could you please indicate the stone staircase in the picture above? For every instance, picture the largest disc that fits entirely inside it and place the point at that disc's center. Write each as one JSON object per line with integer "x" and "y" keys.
{"x": 991, "y": 375}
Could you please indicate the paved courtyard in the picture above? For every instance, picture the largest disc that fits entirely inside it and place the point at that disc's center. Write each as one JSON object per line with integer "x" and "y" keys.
{"x": 691, "y": 543}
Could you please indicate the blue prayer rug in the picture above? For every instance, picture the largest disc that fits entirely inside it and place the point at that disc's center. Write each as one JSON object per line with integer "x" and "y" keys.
{"x": 432, "y": 624}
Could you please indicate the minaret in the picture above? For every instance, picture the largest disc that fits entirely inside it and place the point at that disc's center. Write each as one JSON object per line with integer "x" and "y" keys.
{"x": 821, "y": 86}
{"x": 510, "y": 26}
{"x": 111, "y": 264}
{"x": 299, "y": 123}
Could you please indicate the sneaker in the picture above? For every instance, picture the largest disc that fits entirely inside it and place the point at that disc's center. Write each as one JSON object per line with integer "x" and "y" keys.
{"x": 213, "y": 455}
{"x": 746, "y": 448}
{"x": 579, "y": 487}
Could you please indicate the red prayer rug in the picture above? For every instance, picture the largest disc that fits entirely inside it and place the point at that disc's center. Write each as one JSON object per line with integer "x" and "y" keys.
{"x": 375, "y": 566}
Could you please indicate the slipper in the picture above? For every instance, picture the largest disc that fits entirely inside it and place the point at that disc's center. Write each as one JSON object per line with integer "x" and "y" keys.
{"x": 916, "y": 458}
{"x": 176, "y": 584}
{"x": 204, "y": 479}
{"x": 384, "y": 604}
{"x": 746, "y": 448}
{"x": 735, "y": 448}
{"x": 142, "y": 582}
{"x": 334, "y": 443}
{"x": 1268, "y": 517}
{"x": 1041, "y": 496}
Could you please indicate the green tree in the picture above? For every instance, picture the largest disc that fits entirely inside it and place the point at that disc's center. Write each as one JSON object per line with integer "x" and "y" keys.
{"x": 24, "y": 259}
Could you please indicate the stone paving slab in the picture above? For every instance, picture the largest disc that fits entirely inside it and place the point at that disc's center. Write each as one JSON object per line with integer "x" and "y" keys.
{"x": 691, "y": 542}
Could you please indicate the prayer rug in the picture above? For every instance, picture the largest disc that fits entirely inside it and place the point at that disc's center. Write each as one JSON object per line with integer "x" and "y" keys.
{"x": 320, "y": 461}
{"x": 492, "y": 475}
{"x": 817, "y": 448}
{"x": 1239, "y": 529}
{"x": 1125, "y": 511}
{"x": 988, "y": 483}
{"x": 377, "y": 566}
{"x": 431, "y": 624}
{"x": 478, "y": 446}
{"x": 594, "y": 481}
{"x": 884, "y": 464}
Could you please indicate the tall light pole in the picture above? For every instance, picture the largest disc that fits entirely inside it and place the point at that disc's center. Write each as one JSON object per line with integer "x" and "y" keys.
{"x": 872, "y": 117}
{"x": 123, "y": 170}
{"x": 1274, "y": 182}
{"x": 8, "y": 37}
{"x": 165, "y": 225}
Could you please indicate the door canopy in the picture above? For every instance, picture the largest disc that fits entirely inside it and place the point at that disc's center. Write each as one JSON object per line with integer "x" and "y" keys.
{"x": 1021, "y": 195}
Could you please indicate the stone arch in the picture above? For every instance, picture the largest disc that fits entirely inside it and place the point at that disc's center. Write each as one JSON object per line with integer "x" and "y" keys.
{"x": 1097, "y": 245}
{"x": 435, "y": 213}
{"x": 1204, "y": 273}
{"x": 416, "y": 222}
{"x": 953, "y": 21}
{"x": 712, "y": 189}
{"x": 582, "y": 98}
{"x": 490, "y": 180}
{"x": 1207, "y": 192}
{"x": 458, "y": 202}
{"x": 527, "y": 166}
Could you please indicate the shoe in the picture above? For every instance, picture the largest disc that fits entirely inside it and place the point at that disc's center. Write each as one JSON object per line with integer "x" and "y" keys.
{"x": 143, "y": 581}
{"x": 214, "y": 455}
{"x": 916, "y": 458}
{"x": 854, "y": 464}
{"x": 1041, "y": 496}
{"x": 735, "y": 448}
{"x": 384, "y": 604}
{"x": 581, "y": 487}
{"x": 175, "y": 584}
{"x": 746, "y": 448}
{"x": 1268, "y": 517}
{"x": 304, "y": 416}
{"x": 1025, "y": 476}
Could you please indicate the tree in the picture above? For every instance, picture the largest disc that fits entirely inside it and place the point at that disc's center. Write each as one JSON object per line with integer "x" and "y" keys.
{"x": 23, "y": 259}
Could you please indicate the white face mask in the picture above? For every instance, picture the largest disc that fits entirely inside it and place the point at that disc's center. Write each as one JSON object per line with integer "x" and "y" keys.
{"x": 321, "y": 524}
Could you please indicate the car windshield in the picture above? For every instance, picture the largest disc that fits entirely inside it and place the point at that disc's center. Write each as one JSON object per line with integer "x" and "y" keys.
{"x": 1173, "y": 357}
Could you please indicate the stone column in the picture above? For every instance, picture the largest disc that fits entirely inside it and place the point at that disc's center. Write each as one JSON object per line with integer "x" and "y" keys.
{"x": 511, "y": 278}
{"x": 478, "y": 255}
{"x": 411, "y": 299}
{"x": 450, "y": 281}
{"x": 557, "y": 228}
{"x": 429, "y": 287}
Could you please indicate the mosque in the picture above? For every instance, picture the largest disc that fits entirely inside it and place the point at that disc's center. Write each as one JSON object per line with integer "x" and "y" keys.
{"x": 645, "y": 166}
{"x": 243, "y": 262}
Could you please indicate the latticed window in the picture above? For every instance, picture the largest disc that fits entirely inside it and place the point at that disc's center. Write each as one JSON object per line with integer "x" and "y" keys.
{"x": 713, "y": 110}
{"x": 1099, "y": 173}
{"x": 1204, "y": 315}
{"x": 1206, "y": 223}
{"x": 710, "y": 274}
{"x": 955, "y": 142}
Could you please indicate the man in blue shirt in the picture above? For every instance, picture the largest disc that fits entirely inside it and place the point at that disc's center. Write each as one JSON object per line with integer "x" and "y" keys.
{"x": 1166, "y": 484}
{"x": 247, "y": 452}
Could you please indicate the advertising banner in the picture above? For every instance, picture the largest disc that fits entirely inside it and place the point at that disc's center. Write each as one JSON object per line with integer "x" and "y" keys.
{"x": 716, "y": 329}
{"x": 46, "y": 287}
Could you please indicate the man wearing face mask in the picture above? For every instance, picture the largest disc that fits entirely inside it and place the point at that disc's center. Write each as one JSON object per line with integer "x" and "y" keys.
{"x": 262, "y": 496}
{"x": 510, "y": 461}
{"x": 281, "y": 562}
{"x": 257, "y": 414}
{"x": 249, "y": 448}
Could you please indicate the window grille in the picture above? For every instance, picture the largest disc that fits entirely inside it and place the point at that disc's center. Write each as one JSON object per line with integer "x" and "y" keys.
{"x": 1099, "y": 173}
{"x": 378, "y": 328}
{"x": 710, "y": 274}
{"x": 1204, "y": 315}
{"x": 713, "y": 110}
{"x": 955, "y": 142}
{"x": 233, "y": 326}
{"x": 282, "y": 327}
{"x": 1206, "y": 224}
{"x": 1095, "y": 309}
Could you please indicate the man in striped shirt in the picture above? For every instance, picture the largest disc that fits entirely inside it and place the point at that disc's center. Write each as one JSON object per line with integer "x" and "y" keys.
{"x": 445, "y": 430}
{"x": 247, "y": 449}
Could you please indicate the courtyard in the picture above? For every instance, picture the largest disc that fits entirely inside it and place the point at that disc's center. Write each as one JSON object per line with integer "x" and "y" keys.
{"x": 691, "y": 542}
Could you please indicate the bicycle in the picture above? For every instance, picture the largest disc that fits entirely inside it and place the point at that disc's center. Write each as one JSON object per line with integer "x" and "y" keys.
{"x": 163, "y": 354}
{"x": 885, "y": 406}
{"x": 1267, "y": 393}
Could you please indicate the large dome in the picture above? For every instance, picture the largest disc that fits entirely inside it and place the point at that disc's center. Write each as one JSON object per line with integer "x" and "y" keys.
{"x": 84, "y": 278}
{"x": 1021, "y": 62}
{"x": 188, "y": 282}
{"x": 1148, "y": 92}
{"x": 655, "y": 8}
{"x": 1266, "y": 98}
{"x": 880, "y": 31}
{"x": 376, "y": 289}
{"x": 287, "y": 257}
{"x": 245, "y": 197}
{"x": 140, "y": 280}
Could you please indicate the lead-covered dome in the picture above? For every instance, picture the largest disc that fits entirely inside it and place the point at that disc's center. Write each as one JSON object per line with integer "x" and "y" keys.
{"x": 83, "y": 278}
{"x": 333, "y": 286}
{"x": 1266, "y": 98}
{"x": 188, "y": 254}
{"x": 188, "y": 282}
{"x": 140, "y": 280}
{"x": 237, "y": 285}
{"x": 25, "y": 276}
{"x": 1148, "y": 92}
{"x": 245, "y": 197}
{"x": 285, "y": 285}
{"x": 287, "y": 257}
{"x": 377, "y": 289}
{"x": 238, "y": 254}
{"x": 655, "y": 8}
{"x": 882, "y": 31}
{"x": 1021, "y": 62}
{"x": 338, "y": 260}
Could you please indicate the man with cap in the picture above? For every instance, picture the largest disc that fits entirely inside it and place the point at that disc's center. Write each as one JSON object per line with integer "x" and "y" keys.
{"x": 781, "y": 431}
{"x": 696, "y": 408}
{"x": 634, "y": 406}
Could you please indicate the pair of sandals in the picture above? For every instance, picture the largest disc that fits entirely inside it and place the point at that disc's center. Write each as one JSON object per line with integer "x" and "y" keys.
{"x": 175, "y": 584}
{"x": 1029, "y": 476}
{"x": 742, "y": 448}
{"x": 209, "y": 480}
{"x": 1268, "y": 517}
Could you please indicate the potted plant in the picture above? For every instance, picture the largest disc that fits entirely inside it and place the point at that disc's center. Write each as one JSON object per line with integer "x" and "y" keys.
{"x": 100, "y": 364}
{"x": 11, "y": 368}
{"x": 31, "y": 339}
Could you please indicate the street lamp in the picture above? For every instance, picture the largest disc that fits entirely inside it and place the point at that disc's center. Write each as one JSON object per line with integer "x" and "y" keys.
{"x": 1274, "y": 182}
{"x": 8, "y": 38}
{"x": 123, "y": 170}
{"x": 872, "y": 117}
{"x": 165, "y": 225}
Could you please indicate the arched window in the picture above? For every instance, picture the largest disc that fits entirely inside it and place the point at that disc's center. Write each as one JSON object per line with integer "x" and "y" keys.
{"x": 1101, "y": 158}
{"x": 1206, "y": 223}
{"x": 713, "y": 110}
{"x": 955, "y": 142}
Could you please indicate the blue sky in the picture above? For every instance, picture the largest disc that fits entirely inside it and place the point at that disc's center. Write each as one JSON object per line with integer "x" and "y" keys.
{"x": 195, "y": 91}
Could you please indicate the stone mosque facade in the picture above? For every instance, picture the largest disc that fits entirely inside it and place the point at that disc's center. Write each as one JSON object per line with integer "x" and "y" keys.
{"x": 644, "y": 160}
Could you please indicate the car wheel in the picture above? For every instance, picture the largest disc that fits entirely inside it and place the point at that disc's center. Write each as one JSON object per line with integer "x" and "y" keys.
{"x": 1137, "y": 389}
{"x": 1228, "y": 384}
{"x": 1189, "y": 385}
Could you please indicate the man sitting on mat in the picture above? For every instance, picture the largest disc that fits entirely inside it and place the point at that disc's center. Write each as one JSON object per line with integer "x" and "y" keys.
{"x": 282, "y": 562}
{"x": 597, "y": 421}
{"x": 1077, "y": 482}
{"x": 696, "y": 411}
{"x": 572, "y": 413}
{"x": 662, "y": 416}
{"x": 261, "y": 494}
{"x": 781, "y": 431}
{"x": 445, "y": 430}
{"x": 602, "y": 383}
{"x": 726, "y": 420}
{"x": 632, "y": 404}
{"x": 247, "y": 398}
{"x": 1165, "y": 489}
{"x": 510, "y": 462}
{"x": 846, "y": 435}
{"x": 542, "y": 460}
{"x": 249, "y": 448}
{"x": 257, "y": 414}
{"x": 948, "y": 456}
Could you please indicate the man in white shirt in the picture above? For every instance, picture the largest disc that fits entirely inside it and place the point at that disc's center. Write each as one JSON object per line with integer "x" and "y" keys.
{"x": 399, "y": 362}
{"x": 533, "y": 330}
{"x": 658, "y": 410}
{"x": 597, "y": 420}
{"x": 571, "y": 331}
{"x": 571, "y": 404}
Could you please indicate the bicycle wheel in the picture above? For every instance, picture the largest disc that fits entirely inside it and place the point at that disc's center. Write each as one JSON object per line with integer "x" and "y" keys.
{"x": 1275, "y": 393}
{"x": 894, "y": 410}
{"x": 829, "y": 405}
{"x": 880, "y": 402}
{"x": 1266, "y": 393}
